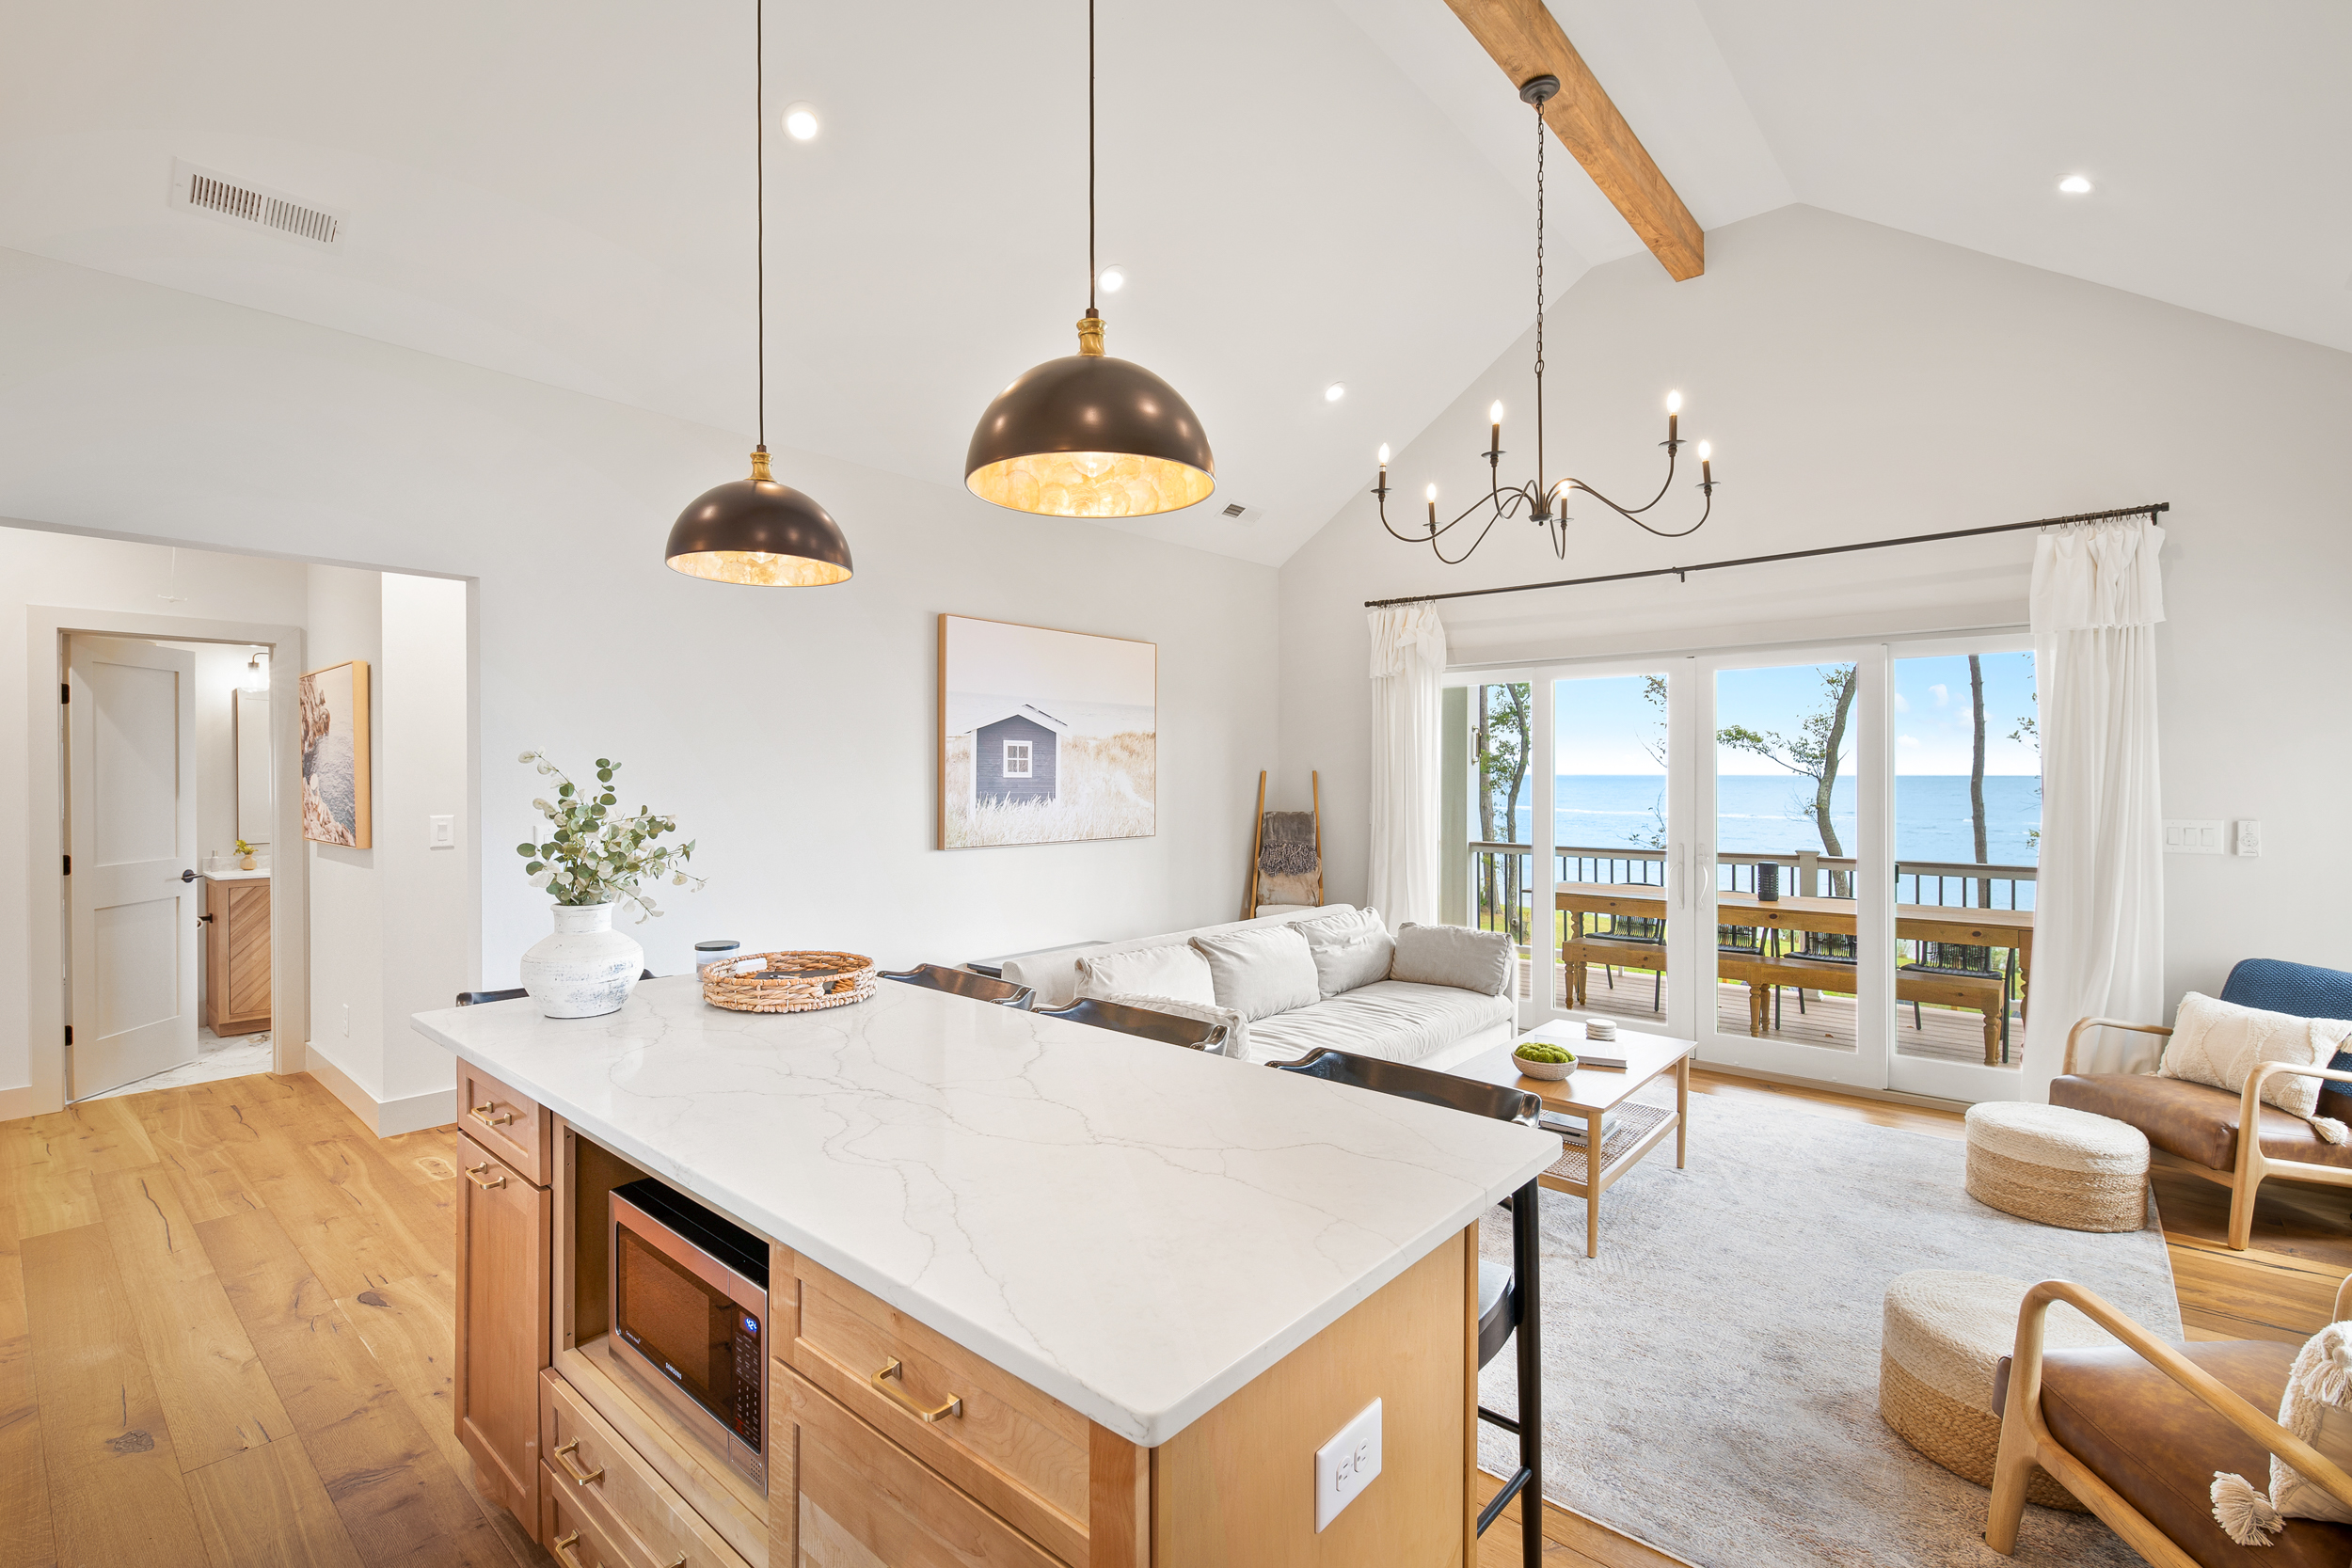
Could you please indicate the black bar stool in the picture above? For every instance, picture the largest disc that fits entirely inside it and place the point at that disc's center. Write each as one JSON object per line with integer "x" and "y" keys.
{"x": 1193, "y": 1034}
{"x": 1509, "y": 1302}
{"x": 962, "y": 982}
{"x": 475, "y": 998}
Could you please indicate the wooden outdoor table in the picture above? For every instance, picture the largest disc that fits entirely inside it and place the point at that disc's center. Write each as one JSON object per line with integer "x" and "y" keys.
{"x": 1593, "y": 1093}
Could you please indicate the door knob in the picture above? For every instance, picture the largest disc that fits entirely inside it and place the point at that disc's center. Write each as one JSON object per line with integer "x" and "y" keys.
{"x": 187, "y": 876}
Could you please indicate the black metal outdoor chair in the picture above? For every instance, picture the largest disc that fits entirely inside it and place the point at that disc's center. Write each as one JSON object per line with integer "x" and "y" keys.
{"x": 1510, "y": 1300}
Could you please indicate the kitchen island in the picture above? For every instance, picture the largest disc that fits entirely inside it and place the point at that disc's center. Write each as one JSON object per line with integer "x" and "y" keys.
{"x": 1172, "y": 1276}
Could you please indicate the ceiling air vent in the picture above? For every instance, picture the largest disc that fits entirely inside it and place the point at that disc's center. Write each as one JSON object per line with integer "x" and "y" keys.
{"x": 1235, "y": 513}
{"x": 247, "y": 205}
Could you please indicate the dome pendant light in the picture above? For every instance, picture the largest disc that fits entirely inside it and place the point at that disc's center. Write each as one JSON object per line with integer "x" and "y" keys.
{"x": 1089, "y": 436}
{"x": 756, "y": 530}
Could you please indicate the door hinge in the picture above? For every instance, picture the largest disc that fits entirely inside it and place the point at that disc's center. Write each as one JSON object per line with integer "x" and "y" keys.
{"x": 68, "y": 866}
{"x": 68, "y": 1034}
{"x": 64, "y": 691}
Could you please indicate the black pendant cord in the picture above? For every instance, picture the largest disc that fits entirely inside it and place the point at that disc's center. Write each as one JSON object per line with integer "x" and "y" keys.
{"x": 2153, "y": 512}
{"x": 1558, "y": 529}
{"x": 1090, "y": 158}
{"x": 759, "y": 204}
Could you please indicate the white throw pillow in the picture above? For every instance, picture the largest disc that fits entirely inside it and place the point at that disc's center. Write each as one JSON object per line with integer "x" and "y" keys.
{"x": 2221, "y": 1043}
{"x": 2315, "y": 1409}
{"x": 1236, "y": 1026}
{"x": 1350, "y": 949}
{"x": 1261, "y": 972}
{"x": 1452, "y": 955}
{"x": 1174, "y": 970}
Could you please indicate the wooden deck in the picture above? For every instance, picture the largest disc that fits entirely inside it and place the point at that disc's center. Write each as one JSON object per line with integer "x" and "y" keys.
{"x": 1945, "y": 1034}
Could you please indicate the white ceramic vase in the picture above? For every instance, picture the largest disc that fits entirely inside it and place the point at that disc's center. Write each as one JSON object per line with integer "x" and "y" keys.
{"x": 584, "y": 968}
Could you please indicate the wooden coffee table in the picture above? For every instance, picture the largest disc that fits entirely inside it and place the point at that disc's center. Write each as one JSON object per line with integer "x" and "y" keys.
{"x": 1593, "y": 1093}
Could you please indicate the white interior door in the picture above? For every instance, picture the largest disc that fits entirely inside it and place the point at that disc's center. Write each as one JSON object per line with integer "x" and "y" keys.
{"x": 131, "y": 802}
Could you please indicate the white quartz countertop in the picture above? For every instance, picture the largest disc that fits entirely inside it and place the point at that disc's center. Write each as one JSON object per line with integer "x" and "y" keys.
{"x": 260, "y": 874}
{"x": 1135, "y": 1228}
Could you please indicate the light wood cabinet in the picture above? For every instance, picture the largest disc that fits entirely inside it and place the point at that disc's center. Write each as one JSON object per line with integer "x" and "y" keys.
{"x": 503, "y": 1228}
{"x": 510, "y": 1124}
{"x": 236, "y": 956}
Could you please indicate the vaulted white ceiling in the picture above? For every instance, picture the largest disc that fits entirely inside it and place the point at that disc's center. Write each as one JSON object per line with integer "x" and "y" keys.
{"x": 1304, "y": 191}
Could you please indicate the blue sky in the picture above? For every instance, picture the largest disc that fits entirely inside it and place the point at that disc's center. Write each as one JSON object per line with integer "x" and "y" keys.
{"x": 1603, "y": 723}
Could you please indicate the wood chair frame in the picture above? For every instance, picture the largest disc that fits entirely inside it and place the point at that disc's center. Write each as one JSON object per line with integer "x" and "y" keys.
{"x": 2254, "y": 1168}
{"x": 2025, "y": 1440}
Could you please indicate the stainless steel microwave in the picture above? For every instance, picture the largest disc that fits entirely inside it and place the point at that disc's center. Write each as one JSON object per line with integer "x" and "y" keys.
{"x": 689, "y": 1317}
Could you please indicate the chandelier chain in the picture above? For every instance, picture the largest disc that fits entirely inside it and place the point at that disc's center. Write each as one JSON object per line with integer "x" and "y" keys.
{"x": 1090, "y": 157}
{"x": 759, "y": 194}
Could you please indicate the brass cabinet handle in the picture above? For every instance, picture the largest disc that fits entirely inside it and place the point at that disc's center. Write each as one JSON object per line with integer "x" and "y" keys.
{"x": 473, "y": 1174}
{"x": 562, "y": 1545}
{"x": 480, "y": 1114}
{"x": 571, "y": 1466}
{"x": 891, "y": 1383}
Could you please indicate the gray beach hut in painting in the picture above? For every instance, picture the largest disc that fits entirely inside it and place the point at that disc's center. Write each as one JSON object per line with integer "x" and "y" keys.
{"x": 1016, "y": 756}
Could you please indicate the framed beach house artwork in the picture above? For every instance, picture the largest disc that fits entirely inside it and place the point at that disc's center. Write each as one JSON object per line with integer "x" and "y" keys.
{"x": 1044, "y": 736}
{"x": 335, "y": 770}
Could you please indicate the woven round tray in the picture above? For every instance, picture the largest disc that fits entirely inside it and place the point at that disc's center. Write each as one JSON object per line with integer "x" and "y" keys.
{"x": 789, "y": 983}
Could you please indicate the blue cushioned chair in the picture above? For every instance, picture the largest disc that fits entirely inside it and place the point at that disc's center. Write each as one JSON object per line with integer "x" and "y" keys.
{"x": 2197, "y": 1129}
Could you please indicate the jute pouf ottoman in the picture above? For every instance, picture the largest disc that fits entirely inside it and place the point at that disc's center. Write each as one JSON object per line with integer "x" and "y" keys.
{"x": 2058, "y": 1166}
{"x": 1945, "y": 1330}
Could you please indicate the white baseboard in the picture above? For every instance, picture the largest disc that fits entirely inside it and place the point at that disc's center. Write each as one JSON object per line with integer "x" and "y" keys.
{"x": 386, "y": 1118}
{"x": 18, "y": 1103}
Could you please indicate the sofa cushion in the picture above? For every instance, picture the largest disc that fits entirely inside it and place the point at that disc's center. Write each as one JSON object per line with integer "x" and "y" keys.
{"x": 1053, "y": 973}
{"x": 1175, "y": 970}
{"x": 2196, "y": 1123}
{"x": 2159, "y": 1446}
{"x": 1350, "y": 949}
{"x": 2221, "y": 1043}
{"x": 1259, "y": 973}
{"x": 1452, "y": 955}
{"x": 1396, "y": 1020}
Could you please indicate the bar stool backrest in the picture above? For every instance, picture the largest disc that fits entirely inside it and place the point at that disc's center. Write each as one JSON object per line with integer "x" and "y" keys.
{"x": 962, "y": 982}
{"x": 1419, "y": 1083}
{"x": 1193, "y": 1034}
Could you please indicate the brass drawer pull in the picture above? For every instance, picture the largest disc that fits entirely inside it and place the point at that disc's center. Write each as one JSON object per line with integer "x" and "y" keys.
{"x": 890, "y": 1382}
{"x": 563, "y": 1547}
{"x": 480, "y": 1114}
{"x": 571, "y": 1466}
{"x": 473, "y": 1174}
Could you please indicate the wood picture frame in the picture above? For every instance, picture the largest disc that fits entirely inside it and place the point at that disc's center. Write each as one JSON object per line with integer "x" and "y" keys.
{"x": 336, "y": 766}
{"x": 1045, "y": 735}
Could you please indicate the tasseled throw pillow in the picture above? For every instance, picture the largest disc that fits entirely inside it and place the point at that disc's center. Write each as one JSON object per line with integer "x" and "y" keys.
{"x": 2314, "y": 1409}
{"x": 2221, "y": 1043}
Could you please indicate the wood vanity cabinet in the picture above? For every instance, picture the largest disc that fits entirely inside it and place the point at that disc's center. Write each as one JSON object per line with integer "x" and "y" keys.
{"x": 504, "y": 1234}
{"x": 236, "y": 954}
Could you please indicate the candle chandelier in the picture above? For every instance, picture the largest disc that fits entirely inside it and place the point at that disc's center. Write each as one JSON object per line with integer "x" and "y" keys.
{"x": 1545, "y": 501}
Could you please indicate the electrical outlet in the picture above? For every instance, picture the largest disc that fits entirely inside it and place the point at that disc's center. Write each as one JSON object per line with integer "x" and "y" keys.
{"x": 2192, "y": 836}
{"x": 1346, "y": 1464}
{"x": 444, "y": 832}
{"x": 347, "y": 1020}
{"x": 2250, "y": 836}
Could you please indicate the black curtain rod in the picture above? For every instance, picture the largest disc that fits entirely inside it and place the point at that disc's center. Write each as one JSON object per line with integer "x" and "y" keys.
{"x": 2153, "y": 513}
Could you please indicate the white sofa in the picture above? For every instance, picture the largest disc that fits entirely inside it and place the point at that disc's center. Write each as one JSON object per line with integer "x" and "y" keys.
{"x": 1398, "y": 1020}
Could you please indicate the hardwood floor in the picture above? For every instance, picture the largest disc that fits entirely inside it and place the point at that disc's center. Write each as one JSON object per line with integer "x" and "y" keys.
{"x": 225, "y": 1329}
{"x": 226, "y": 1318}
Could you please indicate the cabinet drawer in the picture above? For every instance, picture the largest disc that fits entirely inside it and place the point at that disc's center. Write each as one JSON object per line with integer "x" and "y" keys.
{"x": 512, "y": 1126}
{"x": 574, "y": 1539}
{"x": 842, "y": 1495}
{"x": 1021, "y": 1453}
{"x": 606, "y": 1480}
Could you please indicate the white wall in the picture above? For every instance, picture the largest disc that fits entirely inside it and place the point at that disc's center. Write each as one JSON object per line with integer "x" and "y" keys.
{"x": 790, "y": 731}
{"x": 105, "y": 577}
{"x": 347, "y": 914}
{"x": 425, "y": 769}
{"x": 1862, "y": 382}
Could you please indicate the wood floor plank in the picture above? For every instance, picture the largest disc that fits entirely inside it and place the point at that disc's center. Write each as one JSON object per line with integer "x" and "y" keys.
{"x": 38, "y": 1193}
{"x": 208, "y": 1183}
{"x": 410, "y": 1326}
{"x": 92, "y": 1136}
{"x": 402, "y": 1211}
{"x": 399, "y": 1500}
{"x": 24, "y": 1534}
{"x": 1570, "y": 1539}
{"x": 267, "y": 1507}
{"x": 348, "y": 1245}
{"x": 114, "y": 1492}
{"x": 214, "y": 1392}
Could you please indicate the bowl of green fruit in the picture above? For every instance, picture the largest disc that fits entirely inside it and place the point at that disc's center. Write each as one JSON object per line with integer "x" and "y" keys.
{"x": 1536, "y": 1059}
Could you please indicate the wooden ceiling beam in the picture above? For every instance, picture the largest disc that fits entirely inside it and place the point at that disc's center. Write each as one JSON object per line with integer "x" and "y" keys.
{"x": 1526, "y": 40}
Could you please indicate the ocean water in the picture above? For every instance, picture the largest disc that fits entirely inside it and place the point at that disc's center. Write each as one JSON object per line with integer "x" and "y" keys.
{"x": 1757, "y": 813}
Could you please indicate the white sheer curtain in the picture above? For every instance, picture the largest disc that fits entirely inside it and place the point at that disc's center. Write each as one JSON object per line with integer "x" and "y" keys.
{"x": 2099, "y": 904}
{"x": 1408, "y": 656}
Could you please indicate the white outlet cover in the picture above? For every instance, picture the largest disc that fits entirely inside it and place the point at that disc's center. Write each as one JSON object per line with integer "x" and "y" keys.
{"x": 2249, "y": 835}
{"x": 2185, "y": 835}
{"x": 1346, "y": 1464}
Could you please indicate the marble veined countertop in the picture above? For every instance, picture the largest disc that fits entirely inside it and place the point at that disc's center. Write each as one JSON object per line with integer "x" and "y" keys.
{"x": 1135, "y": 1228}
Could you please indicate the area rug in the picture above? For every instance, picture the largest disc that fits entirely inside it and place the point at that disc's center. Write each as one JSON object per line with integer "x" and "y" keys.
{"x": 1710, "y": 1379}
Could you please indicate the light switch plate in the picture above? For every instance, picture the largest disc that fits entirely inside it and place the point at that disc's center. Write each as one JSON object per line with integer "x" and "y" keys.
{"x": 2185, "y": 835}
{"x": 444, "y": 835}
{"x": 1346, "y": 1464}
{"x": 2250, "y": 836}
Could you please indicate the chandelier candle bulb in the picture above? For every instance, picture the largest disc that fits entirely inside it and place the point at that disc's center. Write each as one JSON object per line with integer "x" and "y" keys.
{"x": 1433, "y": 506}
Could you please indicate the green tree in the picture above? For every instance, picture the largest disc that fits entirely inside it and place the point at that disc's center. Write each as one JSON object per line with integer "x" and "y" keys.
{"x": 1505, "y": 739}
{"x": 1815, "y": 751}
{"x": 1976, "y": 776}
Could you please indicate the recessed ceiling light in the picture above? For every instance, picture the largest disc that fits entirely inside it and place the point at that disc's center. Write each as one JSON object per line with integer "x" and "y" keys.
{"x": 2075, "y": 184}
{"x": 800, "y": 121}
{"x": 1112, "y": 278}
{"x": 1337, "y": 390}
